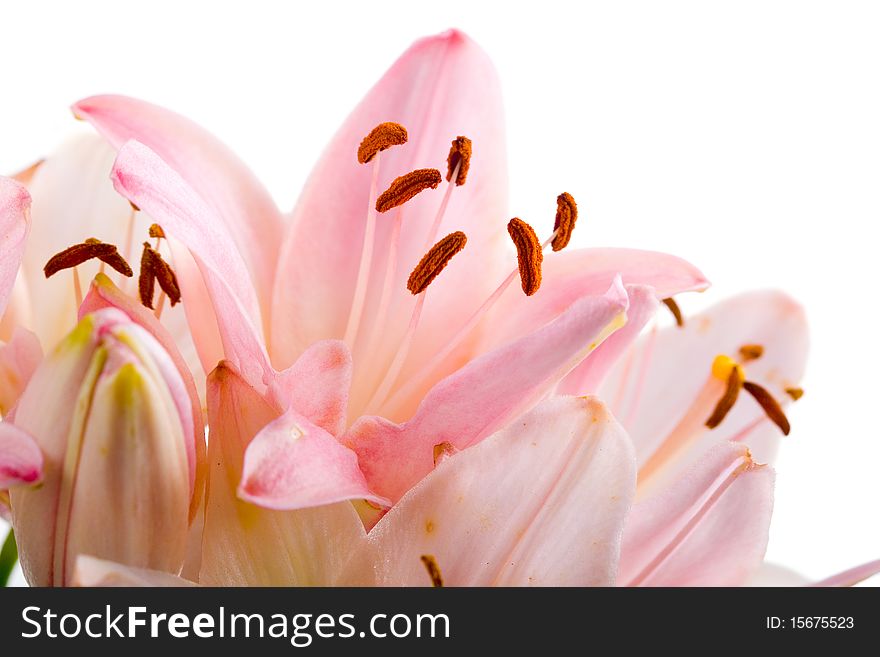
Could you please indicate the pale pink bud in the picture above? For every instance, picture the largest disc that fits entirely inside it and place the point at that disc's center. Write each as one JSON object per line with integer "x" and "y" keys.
{"x": 111, "y": 414}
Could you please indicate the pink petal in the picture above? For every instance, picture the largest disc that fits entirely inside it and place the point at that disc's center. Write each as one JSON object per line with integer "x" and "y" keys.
{"x": 541, "y": 503}
{"x": 708, "y": 528}
{"x": 443, "y": 86}
{"x": 104, "y": 294}
{"x": 668, "y": 370}
{"x": 483, "y": 395}
{"x": 770, "y": 574}
{"x": 246, "y": 545}
{"x": 21, "y": 461}
{"x": 15, "y": 203}
{"x": 852, "y": 576}
{"x": 213, "y": 171}
{"x": 570, "y": 275}
{"x": 142, "y": 177}
{"x": 588, "y": 376}
{"x": 92, "y": 572}
{"x": 317, "y": 385}
{"x": 19, "y": 359}
{"x": 294, "y": 464}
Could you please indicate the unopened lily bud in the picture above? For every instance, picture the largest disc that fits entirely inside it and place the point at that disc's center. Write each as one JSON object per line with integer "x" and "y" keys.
{"x": 113, "y": 418}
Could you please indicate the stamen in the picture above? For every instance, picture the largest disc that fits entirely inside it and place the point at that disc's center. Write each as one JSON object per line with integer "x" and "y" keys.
{"x": 80, "y": 253}
{"x": 794, "y": 393}
{"x": 154, "y": 268}
{"x": 528, "y": 253}
{"x": 725, "y": 404}
{"x": 751, "y": 352}
{"x": 433, "y": 570}
{"x": 405, "y": 187}
{"x": 156, "y": 231}
{"x": 434, "y": 261}
{"x": 383, "y": 136}
{"x": 459, "y": 160}
{"x": 770, "y": 405}
{"x": 675, "y": 310}
{"x": 147, "y": 279}
{"x": 566, "y": 216}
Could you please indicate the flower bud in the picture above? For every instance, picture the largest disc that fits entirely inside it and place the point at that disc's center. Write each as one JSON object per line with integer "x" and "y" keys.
{"x": 113, "y": 418}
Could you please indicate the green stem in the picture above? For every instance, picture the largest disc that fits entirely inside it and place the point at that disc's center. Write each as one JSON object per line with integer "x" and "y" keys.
{"x": 8, "y": 557}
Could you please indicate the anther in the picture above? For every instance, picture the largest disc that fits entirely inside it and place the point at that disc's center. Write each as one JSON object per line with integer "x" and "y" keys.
{"x": 794, "y": 393}
{"x": 751, "y": 352}
{"x": 566, "y": 216}
{"x": 675, "y": 310}
{"x": 383, "y": 136}
{"x": 459, "y": 156}
{"x": 405, "y": 187}
{"x": 443, "y": 450}
{"x": 769, "y": 404}
{"x": 725, "y": 404}
{"x": 529, "y": 254}
{"x": 154, "y": 268}
{"x": 80, "y": 253}
{"x": 156, "y": 231}
{"x": 433, "y": 570}
{"x": 433, "y": 262}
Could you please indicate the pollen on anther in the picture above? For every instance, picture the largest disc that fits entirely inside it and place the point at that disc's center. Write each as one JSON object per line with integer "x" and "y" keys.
{"x": 566, "y": 217}
{"x": 434, "y": 261}
{"x": 794, "y": 393}
{"x": 528, "y": 253}
{"x": 405, "y": 187}
{"x": 459, "y": 156}
{"x": 153, "y": 269}
{"x": 79, "y": 253}
{"x": 383, "y": 136}
{"x": 433, "y": 569}
{"x": 731, "y": 393}
{"x": 751, "y": 352}
{"x": 156, "y": 231}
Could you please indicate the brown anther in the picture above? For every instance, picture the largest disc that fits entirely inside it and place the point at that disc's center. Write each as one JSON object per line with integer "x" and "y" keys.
{"x": 675, "y": 310}
{"x": 154, "y": 268}
{"x": 80, "y": 253}
{"x": 407, "y": 186}
{"x": 751, "y": 352}
{"x": 769, "y": 404}
{"x": 794, "y": 393}
{"x": 442, "y": 451}
{"x": 725, "y": 404}
{"x": 528, "y": 254}
{"x": 433, "y": 262}
{"x": 566, "y": 216}
{"x": 433, "y": 570}
{"x": 459, "y": 156}
{"x": 156, "y": 231}
{"x": 134, "y": 207}
{"x": 384, "y": 135}
{"x": 147, "y": 277}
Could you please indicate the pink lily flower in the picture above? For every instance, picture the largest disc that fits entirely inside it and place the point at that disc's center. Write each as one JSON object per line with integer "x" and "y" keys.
{"x": 372, "y": 413}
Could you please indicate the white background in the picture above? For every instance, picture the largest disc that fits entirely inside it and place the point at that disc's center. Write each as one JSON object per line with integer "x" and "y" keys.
{"x": 743, "y": 136}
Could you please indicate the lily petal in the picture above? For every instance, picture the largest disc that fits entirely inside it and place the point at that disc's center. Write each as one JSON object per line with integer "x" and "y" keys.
{"x": 709, "y": 528}
{"x": 668, "y": 370}
{"x": 21, "y": 461}
{"x": 483, "y": 395}
{"x": 148, "y": 182}
{"x": 247, "y": 545}
{"x": 215, "y": 173}
{"x": 19, "y": 359}
{"x": 294, "y": 464}
{"x": 443, "y": 86}
{"x": 91, "y": 572}
{"x": 15, "y": 204}
{"x": 852, "y": 576}
{"x": 317, "y": 385}
{"x": 570, "y": 275}
{"x": 540, "y": 503}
